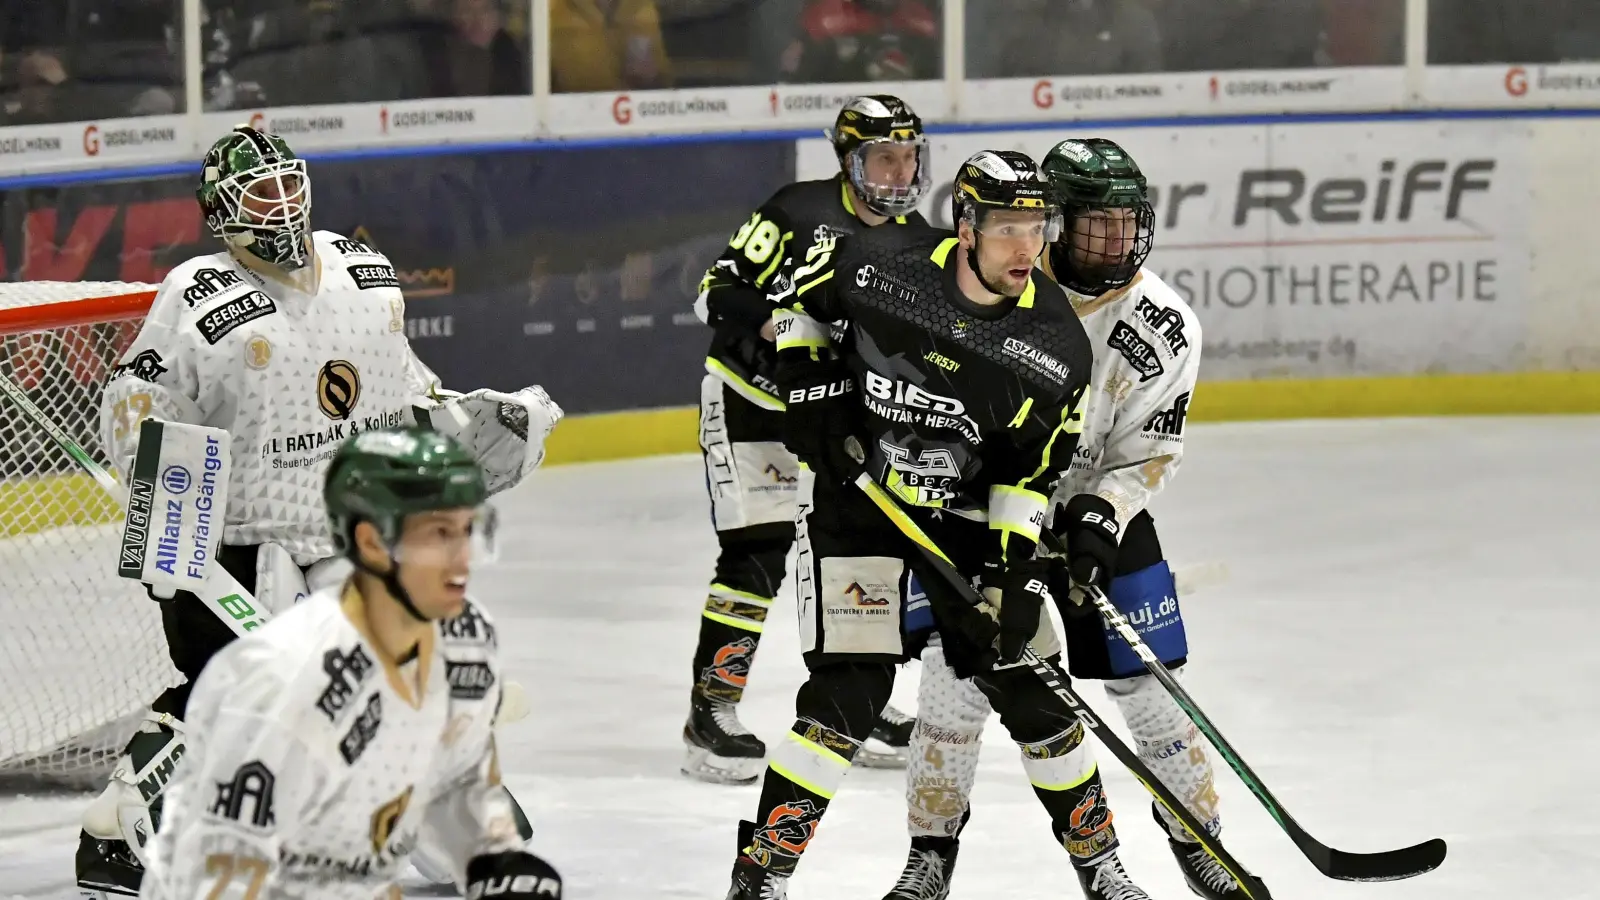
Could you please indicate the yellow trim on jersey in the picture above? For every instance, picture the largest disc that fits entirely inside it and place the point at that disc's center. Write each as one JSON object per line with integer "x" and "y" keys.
{"x": 941, "y": 253}
{"x": 1026, "y": 300}
{"x": 814, "y": 282}
{"x": 743, "y": 388}
{"x": 897, "y": 515}
{"x": 1022, "y": 413}
{"x": 845, "y": 198}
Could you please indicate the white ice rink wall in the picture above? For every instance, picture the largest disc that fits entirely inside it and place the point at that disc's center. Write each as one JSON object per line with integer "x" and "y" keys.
{"x": 1410, "y": 263}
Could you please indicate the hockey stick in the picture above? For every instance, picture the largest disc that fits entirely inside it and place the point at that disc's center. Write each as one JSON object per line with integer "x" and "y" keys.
{"x": 1389, "y": 865}
{"x": 1061, "y": 687}
{"x": 224, "y": 595}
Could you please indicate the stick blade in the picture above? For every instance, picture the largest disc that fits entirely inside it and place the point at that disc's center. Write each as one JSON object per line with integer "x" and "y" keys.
{"x": 1389, "y": 865}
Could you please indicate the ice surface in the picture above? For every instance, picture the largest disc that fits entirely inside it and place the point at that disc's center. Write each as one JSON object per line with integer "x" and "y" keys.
{"x": 1405, "y": 649}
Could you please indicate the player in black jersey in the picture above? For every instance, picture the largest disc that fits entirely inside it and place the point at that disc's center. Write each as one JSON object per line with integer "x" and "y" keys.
{"x": 958, "y": 382}
{"x": 752, "y": 479}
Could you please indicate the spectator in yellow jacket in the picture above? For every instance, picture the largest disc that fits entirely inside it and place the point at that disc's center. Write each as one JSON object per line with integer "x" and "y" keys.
{"x": 606, "y": 45}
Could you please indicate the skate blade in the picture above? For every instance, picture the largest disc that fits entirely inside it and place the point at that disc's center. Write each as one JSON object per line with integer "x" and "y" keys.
{"x": 703, "y": 765}
{"x": 875, "y": 754}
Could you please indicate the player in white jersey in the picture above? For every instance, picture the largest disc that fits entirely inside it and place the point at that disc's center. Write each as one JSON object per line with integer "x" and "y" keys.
{"x": 357, "y": 727}
{"x": 291, "y": 341}
{"x": 1147, "y": 355}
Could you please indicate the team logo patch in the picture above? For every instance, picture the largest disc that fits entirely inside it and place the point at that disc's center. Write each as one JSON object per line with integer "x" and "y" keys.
{"x": 386, "y": 818}
{"x": 362, "y": 730}
{"x": 788, "y": 829}
{"x": 1136, "y": 350}
{"x": 257, "y": 352}
{"x": 469, "y": 680}
{"x": 373, "y": 276}
{"x": 1036, "y": 359}
{"x": 207, "y": 284}
{"x": 247, "y": 798}
{"x": 145, "y": 367}
{"x": 216, "y": 324}
{"x": 1167, "y": 425}
{"x": 338, "y": 389}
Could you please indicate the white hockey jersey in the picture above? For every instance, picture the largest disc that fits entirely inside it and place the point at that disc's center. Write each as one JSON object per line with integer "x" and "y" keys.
{"x": 1146, "y": 343}
{"x": 289, "y": 374}
{"x": 313, "y": 769}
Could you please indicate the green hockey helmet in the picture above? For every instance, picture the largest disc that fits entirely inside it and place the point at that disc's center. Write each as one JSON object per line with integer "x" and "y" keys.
{"x": 383, "y": 476}
{"x": 256, "y": 197}
{"x": 1109, "y": 223}
{"x": 876, "y": 120}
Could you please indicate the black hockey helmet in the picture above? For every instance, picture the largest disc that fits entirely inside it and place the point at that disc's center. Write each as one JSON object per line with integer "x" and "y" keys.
{"x": 880, "y": 119}
{"x": 1002, "y": 179}
{"x": 1110, "y": 225}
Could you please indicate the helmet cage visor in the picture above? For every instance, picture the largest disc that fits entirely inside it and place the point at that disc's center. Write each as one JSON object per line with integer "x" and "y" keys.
{"x": 267, "y": 209}
{"x": 1047, "y": 224}
{"x": 1105, "y": 246}
{"x": 887, "y": 198}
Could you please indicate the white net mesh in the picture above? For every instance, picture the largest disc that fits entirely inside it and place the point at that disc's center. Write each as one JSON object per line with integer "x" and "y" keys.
{"x": 81, "y": 650}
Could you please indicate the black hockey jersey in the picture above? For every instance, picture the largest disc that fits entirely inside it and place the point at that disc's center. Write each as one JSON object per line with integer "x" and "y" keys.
{"x": 733, "y": 295}
{"x": 971, "y": 409}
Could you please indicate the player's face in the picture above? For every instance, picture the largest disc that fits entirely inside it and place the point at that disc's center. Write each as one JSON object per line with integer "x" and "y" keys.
{"x": 1103, "y": 238}
{"x": 273, "y": 199}
{"x": 435, "y": 553}
{"x": 889, "y": 164}
{"x": 1012, "y": 240}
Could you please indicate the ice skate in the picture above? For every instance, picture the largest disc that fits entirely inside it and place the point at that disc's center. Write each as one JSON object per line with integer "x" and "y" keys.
{"x": 889, "y": 743}
{"x": 720, "y": 750}
{"x": 928, "y": 869}
{"x": 1108, "y": 880}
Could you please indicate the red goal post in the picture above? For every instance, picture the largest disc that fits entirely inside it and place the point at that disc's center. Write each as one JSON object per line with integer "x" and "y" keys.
{"x": 81, "y": 650}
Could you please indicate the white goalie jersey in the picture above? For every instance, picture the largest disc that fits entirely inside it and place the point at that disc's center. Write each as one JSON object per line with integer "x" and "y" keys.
{"x": 1146, "y": 343}
{"x": 289, "y": 373}
{"x": 315, "y": 766}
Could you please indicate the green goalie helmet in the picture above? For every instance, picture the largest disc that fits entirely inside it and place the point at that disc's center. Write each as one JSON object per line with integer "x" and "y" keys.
{"x": 383, "y": 476}
{"x": 1108, "y": 223}
{"x": 256, "y": 197}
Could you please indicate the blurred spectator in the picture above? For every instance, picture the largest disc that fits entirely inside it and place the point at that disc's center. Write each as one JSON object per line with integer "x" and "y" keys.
{"x": 77, "y": 61}
{"x": 476, "y": 56}
{"x": 330, "y": 51}
{"x": 864, "y": 40}
{"x": 1362, "y": 33}
{"x": 717, "y": 42}
{"x": 606, "y": 45}
{"x": 1461, "y": 32}
{"x": 1022, "y": 38}
{"x": 1213, "y": 35}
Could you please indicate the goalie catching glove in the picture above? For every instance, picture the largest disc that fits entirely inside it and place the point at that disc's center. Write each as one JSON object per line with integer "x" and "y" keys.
{"x": 514, "y": 874}
{"x": 504, "y": 432}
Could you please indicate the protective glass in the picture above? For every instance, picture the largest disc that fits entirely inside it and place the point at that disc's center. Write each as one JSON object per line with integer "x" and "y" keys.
{"x": 441, "y": 540}
{"x": 871, "y": 174}
{"x": 1016, "y": 224}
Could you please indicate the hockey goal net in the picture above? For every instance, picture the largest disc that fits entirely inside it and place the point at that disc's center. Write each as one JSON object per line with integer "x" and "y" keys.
{"x": 81, "y": 650}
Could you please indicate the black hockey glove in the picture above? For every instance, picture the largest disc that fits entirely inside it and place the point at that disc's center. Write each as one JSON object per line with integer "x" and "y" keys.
{"x": 822, "y": 416}
{"x": 1024, "y": 589}
{"x": 514, "y": 874}
{"x": 1087, "y": 525}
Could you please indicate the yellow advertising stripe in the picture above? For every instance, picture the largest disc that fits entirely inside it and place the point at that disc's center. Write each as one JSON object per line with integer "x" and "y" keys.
{"x": 651, "y": 432}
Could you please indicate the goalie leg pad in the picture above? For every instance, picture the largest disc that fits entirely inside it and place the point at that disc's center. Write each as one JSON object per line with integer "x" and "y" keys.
{"x": 943, "y": 761}
{"x": 129, "y": 809}
{"x": 1170, "y": 744}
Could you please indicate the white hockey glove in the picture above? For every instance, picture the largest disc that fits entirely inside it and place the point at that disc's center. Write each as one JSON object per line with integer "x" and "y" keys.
{"x": 504, "y": 432}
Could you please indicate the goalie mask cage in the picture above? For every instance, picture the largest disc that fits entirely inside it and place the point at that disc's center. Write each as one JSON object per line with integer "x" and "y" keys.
{"x": 82, "y": 653}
